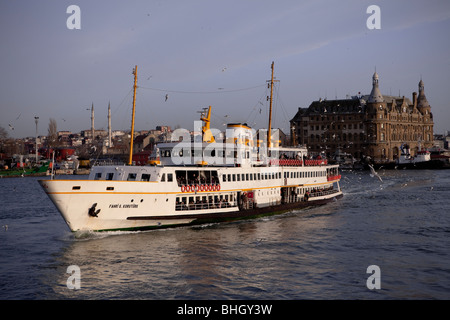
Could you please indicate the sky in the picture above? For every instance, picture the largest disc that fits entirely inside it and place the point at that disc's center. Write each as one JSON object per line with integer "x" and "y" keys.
{"x": 216, "y": 53}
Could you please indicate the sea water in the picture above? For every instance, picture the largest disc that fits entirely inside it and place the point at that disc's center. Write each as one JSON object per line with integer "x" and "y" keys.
{"x": 400, "y": 224}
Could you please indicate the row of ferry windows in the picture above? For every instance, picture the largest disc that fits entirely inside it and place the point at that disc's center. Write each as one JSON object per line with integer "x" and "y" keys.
{"x": 131, "y": 176}
{"x": 271, "y": 175}
{"x": 225, "y": 177}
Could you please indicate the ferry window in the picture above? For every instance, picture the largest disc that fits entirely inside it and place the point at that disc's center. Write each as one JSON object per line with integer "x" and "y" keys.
{"x": 234, "y": 177}
{"x": 98, "y": 176}
{"x": 132, "y": 176}
{"x": 145, "y": 177}
{"x": 169, "y": 177}
{"x": 224, "y": 178}
{"x": 259, "y": 176}
{"x": 244, "y": 177}
{"x": 229, "y": 177}
{"x": 238, "y": 176}
{"x": 109, "y": 176}
{"x": 251, "y": 177}
{"x": 214, "y": 177}
{"x": 163, "y": 178}
{"x": 181, "y": 177}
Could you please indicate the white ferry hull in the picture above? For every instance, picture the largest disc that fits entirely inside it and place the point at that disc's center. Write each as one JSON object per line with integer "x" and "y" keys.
{"x": 88, "y": 205}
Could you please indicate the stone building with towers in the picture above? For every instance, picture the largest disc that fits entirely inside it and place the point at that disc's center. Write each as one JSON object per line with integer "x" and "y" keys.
{"x": 372, "y": 127}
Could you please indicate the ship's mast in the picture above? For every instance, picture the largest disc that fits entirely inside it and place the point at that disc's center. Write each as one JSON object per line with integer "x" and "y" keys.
{"x": 130, "y": 160}
{"x": 269, "y": 133}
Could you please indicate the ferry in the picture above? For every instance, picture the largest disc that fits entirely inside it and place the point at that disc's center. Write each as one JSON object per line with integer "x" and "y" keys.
{"x": 205, "y": 179}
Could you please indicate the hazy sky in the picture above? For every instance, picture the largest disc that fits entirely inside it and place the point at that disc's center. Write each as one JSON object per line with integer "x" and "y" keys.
{"x": 206, "y": 52}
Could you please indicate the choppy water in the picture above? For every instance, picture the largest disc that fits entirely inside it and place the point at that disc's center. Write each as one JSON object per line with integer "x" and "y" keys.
{"x": 401, "y": 225}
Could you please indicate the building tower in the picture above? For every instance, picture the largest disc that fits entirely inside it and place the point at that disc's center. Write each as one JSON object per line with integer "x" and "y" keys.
{"x": 109, "y": 126}
{"x": 422, "y": 102}
{"x": 92, "y": 122}
{"x": 375, "y": 95}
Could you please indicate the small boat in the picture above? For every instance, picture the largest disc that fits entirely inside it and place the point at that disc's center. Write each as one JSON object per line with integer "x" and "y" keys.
{"x": 201, "y": 180}
{"x": 422, "y": 160}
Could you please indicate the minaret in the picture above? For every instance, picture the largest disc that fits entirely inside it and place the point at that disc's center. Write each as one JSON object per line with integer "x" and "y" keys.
{"x": 109, "y": 126}
{"x": 92, "y": 122}
{"x": 375, "y": 95}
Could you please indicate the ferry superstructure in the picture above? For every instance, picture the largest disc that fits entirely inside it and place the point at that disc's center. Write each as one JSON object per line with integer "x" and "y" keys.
{"x": 193, "y": 181}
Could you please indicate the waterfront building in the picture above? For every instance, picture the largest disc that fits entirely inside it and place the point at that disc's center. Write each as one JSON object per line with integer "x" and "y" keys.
{"x": 373, "y": 126}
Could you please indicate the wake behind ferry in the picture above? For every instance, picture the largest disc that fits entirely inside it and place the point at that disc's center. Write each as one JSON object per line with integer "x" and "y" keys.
{"x": 210, "y": 178}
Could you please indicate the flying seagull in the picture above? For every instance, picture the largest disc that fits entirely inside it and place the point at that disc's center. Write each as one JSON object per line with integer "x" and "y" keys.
{"x": 375, "y": 173}
{"x": 167, "y": 97}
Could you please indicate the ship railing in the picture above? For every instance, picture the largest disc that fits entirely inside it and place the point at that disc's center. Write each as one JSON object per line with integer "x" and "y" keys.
{"x": 109, "y": 162}
{"x": 204, "y": 205}
{"x": 298, "y": 163}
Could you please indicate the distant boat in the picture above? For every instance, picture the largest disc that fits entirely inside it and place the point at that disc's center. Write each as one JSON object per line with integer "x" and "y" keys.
{"x": 422, "y": 160}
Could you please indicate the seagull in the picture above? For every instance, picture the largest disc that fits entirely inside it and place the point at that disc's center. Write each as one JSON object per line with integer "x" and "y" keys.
{"x": 11, "y": 127}
{"x": 167, "y": 97}
{"x": 375, "y": 173}
{"x": 224, "y": 69}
